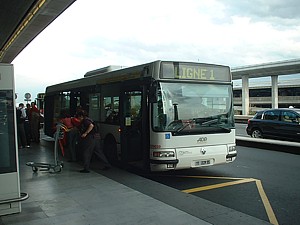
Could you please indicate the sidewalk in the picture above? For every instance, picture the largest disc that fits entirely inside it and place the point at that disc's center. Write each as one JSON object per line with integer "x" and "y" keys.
{"x": 73, "y": 198}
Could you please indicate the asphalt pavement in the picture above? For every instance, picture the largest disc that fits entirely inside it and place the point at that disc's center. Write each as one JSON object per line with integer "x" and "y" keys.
{"x": 107, "y": 197}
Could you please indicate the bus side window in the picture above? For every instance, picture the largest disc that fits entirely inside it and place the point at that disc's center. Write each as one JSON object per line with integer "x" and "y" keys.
{"x": 133, "y": 107}
{"x": 111, "y": 105}
{"x": 112, "y": 117}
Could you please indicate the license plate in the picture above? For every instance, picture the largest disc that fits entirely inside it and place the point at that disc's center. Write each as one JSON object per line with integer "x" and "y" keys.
{"x": 202, "y": 162}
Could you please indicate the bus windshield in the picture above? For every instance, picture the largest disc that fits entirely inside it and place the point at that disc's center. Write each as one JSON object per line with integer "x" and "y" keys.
{"x": 193, "y": 108}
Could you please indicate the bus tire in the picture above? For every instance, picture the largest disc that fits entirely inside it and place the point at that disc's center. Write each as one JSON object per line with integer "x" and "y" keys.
{"x": 110, "y": 150}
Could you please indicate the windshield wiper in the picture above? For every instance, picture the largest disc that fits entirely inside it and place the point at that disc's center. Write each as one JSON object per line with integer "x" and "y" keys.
{"x": 208, "y": 122}
{"x": 178, "y": 125}
{"x": 211, "y": 119}
{"x": 214, "y": 122}
{"x": 217, "y": 126}
{"x": 188, "y": 123}
{"x": 223, "y": 128}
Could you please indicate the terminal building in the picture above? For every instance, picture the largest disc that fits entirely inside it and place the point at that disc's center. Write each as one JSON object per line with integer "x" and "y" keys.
{"x": 267, "y": 85}
{"x": 260, "y": 93}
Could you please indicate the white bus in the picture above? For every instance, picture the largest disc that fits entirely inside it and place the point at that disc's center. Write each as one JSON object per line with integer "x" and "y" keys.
{"x": 159, "y": 116}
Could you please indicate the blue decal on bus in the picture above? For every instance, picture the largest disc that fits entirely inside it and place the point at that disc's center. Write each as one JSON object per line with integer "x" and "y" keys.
{"x": 167, "y": 136}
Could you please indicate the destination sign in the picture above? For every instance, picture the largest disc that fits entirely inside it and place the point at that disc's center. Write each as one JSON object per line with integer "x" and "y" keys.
{"x": 195, "y": 71}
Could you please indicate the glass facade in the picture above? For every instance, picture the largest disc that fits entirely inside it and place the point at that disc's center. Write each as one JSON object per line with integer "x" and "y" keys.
{"x": 7, "y": 135}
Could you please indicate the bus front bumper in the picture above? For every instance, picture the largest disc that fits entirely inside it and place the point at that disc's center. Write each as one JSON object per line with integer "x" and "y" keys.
{"x": 163, "y": 165}
{"x": 172, "y": 161}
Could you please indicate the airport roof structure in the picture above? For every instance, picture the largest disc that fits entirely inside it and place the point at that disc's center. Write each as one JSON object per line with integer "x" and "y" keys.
{"x": 287, "y": 67}
{"x": 22, "y": 20}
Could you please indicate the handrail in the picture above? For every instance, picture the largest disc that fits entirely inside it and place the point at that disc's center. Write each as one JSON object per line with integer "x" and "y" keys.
{"x": 23, "y": 197}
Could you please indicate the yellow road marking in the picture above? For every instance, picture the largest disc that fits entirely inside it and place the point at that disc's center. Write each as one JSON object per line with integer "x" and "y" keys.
{"x": 268, "y": 208}
{"x": 214, "y": 186}
{"x": 210, "y": 177}
{"x": 263, "y": 196}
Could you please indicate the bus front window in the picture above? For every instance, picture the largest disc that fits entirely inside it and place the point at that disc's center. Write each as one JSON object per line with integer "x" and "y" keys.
{"x": 193, "y": 108}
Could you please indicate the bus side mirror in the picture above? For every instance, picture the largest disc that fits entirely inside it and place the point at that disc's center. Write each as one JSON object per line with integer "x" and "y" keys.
{"x": 153, "y": 93}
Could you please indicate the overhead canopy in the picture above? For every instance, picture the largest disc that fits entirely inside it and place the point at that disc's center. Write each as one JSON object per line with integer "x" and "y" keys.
{"x": 267, "y": 69}
{"x": 22, "y": 20}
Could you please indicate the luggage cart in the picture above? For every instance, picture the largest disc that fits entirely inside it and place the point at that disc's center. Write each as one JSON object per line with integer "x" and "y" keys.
{"x": 58, "y": 165}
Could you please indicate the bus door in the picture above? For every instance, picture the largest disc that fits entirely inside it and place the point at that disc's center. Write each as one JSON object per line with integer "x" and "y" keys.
{"x": 133, "y": 124}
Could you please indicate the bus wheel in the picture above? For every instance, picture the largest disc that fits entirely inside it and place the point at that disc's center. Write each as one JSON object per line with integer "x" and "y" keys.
{"x": 110, "y": 150}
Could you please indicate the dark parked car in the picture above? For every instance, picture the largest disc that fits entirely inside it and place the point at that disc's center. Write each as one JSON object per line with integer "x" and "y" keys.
{"x": 283, "y": 124}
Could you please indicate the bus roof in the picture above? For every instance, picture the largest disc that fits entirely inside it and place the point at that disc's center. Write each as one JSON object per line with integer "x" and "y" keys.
{"x": 93, "y": 77}
{"x": 104, "y": 70}
{"x": 112, "y": 74}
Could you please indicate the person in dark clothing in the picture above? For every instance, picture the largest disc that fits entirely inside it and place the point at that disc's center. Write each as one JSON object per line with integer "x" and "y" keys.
{"x": 34, "y": 119}
{"x": 72, "y": 134}
{"x": 21, "y": 117}
{"x": 89, "y": 142}
{"x": 27, "y": 125}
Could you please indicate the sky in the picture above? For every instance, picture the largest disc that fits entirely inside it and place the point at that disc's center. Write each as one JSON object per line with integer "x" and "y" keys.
{"x": 92, "y": 34}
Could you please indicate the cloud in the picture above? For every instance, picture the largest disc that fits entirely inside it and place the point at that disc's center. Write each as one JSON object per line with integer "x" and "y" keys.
{"x": 94, "y": 34}
{"x": 264, "y": 8}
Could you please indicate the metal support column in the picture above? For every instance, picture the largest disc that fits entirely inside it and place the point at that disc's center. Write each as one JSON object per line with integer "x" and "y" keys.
{"x": 275, "y": 92}
{"x": 245, "y": 94}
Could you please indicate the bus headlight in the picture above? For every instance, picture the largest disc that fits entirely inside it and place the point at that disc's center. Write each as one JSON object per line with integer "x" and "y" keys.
{"x": 163, "y": 154}
{"x": 231, "y": 148}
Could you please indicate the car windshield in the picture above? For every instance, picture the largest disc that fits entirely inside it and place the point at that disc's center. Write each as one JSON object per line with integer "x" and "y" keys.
{"x": 193, "y": 108}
